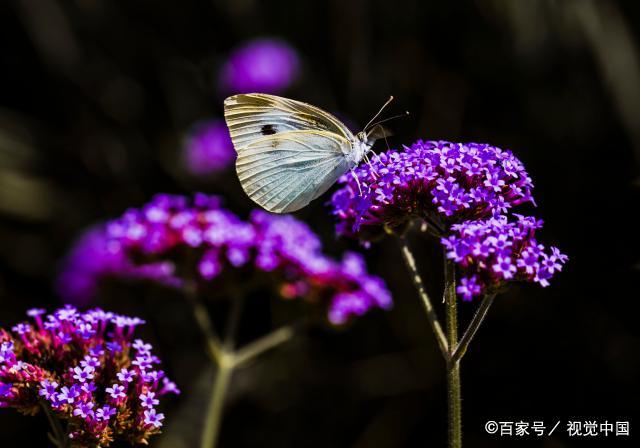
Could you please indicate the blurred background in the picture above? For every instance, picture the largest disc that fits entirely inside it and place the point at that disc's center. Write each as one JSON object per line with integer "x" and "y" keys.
{"x": 101, "y": 100}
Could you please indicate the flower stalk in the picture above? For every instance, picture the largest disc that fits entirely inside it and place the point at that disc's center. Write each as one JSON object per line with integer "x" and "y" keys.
{"x": 410, "y": 263}
{"x": 453, "y": 366}
{"x": 225, "y": 356}
{"x": 468, "y": 335}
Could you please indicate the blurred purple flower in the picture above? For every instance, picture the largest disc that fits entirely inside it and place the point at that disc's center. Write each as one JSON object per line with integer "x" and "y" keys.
{"x": 205, "y": 241}
{"x": 439, "y": 182}
{"x": 490, "y": 253}
{"x": 49, "y": 365}
{"x": 208, "y": 148}
{"x": 93, "y": 256}
{"x": 261, "y": 65}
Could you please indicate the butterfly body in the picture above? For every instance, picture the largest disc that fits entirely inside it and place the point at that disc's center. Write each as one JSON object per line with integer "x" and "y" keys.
{"x": 289, "y": 152}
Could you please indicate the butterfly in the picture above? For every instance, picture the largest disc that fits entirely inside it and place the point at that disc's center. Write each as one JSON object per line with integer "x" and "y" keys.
{"x": 290, "y": 152}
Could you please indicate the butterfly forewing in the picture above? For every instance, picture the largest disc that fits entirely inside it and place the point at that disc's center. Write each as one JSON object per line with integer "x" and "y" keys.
{"x": 256, "y": 115}
{"x": 284, "y": 172}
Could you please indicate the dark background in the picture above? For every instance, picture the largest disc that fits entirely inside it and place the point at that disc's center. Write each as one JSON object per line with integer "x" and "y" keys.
{"x": 95, "y": 98}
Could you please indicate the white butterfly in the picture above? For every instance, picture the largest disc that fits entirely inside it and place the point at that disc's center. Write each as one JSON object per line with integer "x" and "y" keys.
{"x": 290, "y": 152}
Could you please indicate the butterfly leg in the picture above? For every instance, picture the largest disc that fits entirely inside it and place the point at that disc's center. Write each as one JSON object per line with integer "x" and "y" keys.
{"x": 373, "y": 170}
{"x": 353, "y": 173}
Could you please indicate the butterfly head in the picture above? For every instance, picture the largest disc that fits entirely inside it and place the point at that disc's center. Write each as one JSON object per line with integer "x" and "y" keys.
{"x": 362, "y": 137}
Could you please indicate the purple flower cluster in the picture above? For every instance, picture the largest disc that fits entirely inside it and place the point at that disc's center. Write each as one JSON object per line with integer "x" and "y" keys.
{"x": 262, "y": 65}
{"x": 494, "y": 251}
{"x": 465, "y": 193}
{"x": 208, "y": 148}
{"x": 87, "y": 370}
{"x": 437, "y": 181}
{"x": 161, "y": 240}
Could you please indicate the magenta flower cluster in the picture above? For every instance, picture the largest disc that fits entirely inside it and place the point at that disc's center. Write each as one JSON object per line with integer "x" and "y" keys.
{"x": 88, "y": 371}
{"x": 494, "y": 251}
{"x": 465, "y": 194}
{"x": 174, "y": 231}
{"x": 436, "y": 181}
{"x": 208, "y": 148}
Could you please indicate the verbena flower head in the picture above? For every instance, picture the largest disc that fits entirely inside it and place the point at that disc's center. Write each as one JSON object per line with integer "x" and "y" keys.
{"x": 262, "y": 65}
{"x": 72, "y": 363}
{"x": 490, "y": 253}
{"x": 440, "y": 182}
{"x": 175, "y": 238}
{"x": 208, "y": 148}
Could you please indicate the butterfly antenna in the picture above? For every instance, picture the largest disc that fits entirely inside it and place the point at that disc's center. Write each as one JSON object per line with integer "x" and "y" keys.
{"x": 405, "y": 114}
{"x": 379, "y": 112}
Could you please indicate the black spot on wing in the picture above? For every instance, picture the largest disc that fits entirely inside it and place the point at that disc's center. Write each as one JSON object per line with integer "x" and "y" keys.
{"x": 268, "y": 129}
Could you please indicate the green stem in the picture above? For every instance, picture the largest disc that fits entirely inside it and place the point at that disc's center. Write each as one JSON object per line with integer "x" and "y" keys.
{"x": 259, "y": 346}
{"x": 59, "y": 437}
{"x": 453, "y": 366}
{"x": 432, "y": 317}
{"x": 468, "y": 335}
{"x": 226, "y": 364}
{"x": 213, "y": 419}
{"x": 200, "y": 313}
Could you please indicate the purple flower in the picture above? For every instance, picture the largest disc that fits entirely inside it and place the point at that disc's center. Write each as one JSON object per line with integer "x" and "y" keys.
{"x": 438, "y": 182}
{"x": 125, "y": 375}
{"x": 105, "y": 412}
{"x": 142, "y": 362}
{"x": 280, "y": 251}
{"x": 33, "y": 312}
{"x": 142, "y": 347}
{"x": 63, "y": 365}
{"x": 88, "y": 387}
{"x": 7, "y": 355}
{"x": 208, "y": 149}
{"x": 68, "y": 394}
{"x": 47, "y": 389}
{"x": 469, "y": 287}
{"x": 491, "y": 252}
{"x": 153, "y": 419}
{"x": 116, "y": 391}
{"x": 148, "y": 400}
{"x": 90, "y": 362}
{"x": 262, "y": 65}
{"x": 83, "y": 374}
{"x": 168, "y": 387}
{"x": 5, "y": 390}
{"x": 84, "y": 410}
{"x": 22, "y": 328}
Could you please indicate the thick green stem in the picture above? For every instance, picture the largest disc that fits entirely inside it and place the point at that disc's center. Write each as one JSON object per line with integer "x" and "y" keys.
{"x": 410, "y": 262}
{"x": 59, "y": 437}
{"x": 226, "y": 364}
{"x": 216, "y": 402}
{"x": 453, "y": 366}
{"x": 468, "y": 335}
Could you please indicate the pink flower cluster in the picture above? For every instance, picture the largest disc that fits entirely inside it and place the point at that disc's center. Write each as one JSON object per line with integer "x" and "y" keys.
{"x": 87, "y": 371}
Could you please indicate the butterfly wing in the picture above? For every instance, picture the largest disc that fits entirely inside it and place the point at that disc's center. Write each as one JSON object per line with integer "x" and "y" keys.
{"x": 284, "y": 172}
{"x": 253, "y": 116}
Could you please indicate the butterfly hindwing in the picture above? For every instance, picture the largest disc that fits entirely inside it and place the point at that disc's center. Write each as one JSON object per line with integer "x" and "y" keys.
{"x": 285, "y": 171}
